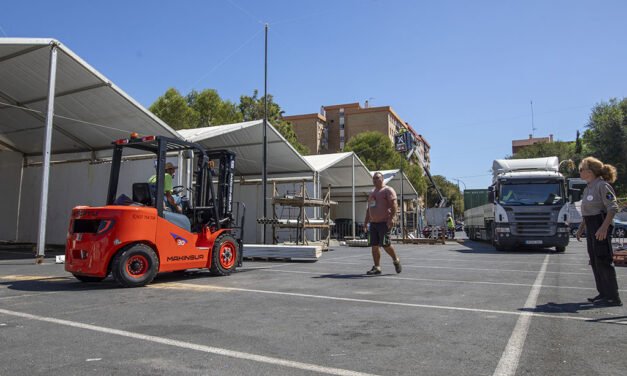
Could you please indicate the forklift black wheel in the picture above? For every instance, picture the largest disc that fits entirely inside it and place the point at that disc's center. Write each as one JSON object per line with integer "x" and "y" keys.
{"x": 135, "y": 266}
{"x": 84, "y": 278}
{"x": 224, "y": 255}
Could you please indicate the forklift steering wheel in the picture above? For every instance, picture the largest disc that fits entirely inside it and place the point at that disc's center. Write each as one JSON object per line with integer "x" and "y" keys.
{"x": 178, "y": 189}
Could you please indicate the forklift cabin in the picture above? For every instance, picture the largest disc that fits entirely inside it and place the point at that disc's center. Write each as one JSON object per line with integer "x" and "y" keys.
{"x": 206, "y": 207}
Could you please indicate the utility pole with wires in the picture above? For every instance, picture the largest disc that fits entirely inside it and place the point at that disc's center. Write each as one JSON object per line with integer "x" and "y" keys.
{"x": 264, "y": 168}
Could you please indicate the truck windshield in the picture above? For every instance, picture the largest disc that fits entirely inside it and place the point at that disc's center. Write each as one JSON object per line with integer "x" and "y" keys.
{"x": 531, "y": 194}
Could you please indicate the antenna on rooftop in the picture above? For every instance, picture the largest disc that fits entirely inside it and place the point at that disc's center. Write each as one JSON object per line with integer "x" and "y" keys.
{"x": 533, "y": 128}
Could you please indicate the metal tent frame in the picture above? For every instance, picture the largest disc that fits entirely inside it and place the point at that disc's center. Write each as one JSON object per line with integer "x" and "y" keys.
{"x": 53, "y": 103}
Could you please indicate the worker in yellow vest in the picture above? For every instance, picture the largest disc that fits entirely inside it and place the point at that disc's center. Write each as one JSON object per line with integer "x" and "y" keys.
{"x": 450, "y": 225}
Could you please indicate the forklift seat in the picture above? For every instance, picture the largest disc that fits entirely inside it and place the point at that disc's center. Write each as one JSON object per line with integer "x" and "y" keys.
{"x": 177, "y": 219}
{"x": 141, "y": 193}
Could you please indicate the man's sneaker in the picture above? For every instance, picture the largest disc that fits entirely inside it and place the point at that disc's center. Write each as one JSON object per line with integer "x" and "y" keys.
{"x": 598, "y": 297}
{"x": 397, "y": 266}
{"x": 374, "y": 271}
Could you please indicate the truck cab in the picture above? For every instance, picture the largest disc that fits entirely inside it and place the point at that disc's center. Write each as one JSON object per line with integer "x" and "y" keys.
{"x": 530, "y": 209}
{"x": 526, "y": 206}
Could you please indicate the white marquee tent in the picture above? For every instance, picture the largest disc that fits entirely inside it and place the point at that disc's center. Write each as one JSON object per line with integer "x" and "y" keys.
{"x": 55, "y": 106}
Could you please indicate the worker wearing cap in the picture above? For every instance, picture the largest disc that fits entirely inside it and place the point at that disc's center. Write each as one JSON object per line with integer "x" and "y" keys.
{"x": 450, "y": 225}
{"x": 171, "y": 201}
{"x": 598, "y": 207}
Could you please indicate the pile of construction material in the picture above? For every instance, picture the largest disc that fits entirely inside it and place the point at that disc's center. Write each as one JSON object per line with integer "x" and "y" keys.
{"x": 282, "y": 251}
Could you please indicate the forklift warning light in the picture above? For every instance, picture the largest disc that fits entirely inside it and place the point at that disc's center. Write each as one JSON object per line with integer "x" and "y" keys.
{"x": 134, "y": 138}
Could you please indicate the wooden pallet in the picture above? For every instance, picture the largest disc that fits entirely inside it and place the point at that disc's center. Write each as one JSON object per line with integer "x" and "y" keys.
{"x": 620, "y": 258}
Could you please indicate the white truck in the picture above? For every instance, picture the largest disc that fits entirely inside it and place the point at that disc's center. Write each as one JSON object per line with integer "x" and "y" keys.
{"x": 527, "y": 206}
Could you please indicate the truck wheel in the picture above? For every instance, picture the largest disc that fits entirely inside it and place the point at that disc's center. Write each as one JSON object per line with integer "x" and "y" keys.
{"x": 224, "y": 255}
{"x": 560, "y": 249}
{"x": 135, "y": 266}
{"x": 84, "y": 278}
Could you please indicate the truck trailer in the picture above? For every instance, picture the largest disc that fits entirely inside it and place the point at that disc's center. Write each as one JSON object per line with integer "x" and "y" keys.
{"x": 526, "y": 206}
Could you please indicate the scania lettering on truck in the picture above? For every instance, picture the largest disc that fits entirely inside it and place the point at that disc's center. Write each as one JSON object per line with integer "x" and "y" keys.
{"x": 526, "y": 206}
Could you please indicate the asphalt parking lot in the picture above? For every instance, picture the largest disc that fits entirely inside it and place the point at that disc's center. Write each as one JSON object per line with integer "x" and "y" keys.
{"x": 456, "y": 309}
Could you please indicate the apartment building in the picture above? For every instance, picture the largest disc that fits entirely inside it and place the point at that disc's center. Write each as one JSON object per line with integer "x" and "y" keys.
{"x": 330, "y": 130}
{"x": 517, "y": 145}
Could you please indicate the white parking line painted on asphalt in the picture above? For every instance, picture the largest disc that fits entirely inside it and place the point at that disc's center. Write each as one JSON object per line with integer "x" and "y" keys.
{"x": 454, "y": 268}
{"x": 492, "y": 261}
{"x": 191, "y": 346}
{"x": 194, "y": 287}
{"x": 511, "y": 355}
{"x": 448, "y": 280}
{"x": 26, "y": 262}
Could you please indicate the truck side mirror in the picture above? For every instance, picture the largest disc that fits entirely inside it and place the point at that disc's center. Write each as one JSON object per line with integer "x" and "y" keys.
{"x": 491, "y": 194}
{"x": 574, "y": 195}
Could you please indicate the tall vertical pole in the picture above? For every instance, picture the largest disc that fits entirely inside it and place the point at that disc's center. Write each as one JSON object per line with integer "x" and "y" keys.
{"x": 19, "y": 200}
{"x": 402, "y": 203}
{"x": 265, "y": 137}
{"x": 43, "y": 210}
{"x": 353, "y": 193}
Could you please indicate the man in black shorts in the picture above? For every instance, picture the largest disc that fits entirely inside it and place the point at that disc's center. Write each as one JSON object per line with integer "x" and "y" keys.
{"x": 380, "y": 214}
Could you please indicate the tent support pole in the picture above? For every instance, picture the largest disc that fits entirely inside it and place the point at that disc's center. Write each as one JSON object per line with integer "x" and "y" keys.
{"x": 265, "y": 138}
{"x": 353, "y": 193}
{"x": 43, "y": 212}
{"x": 19, "y": 199}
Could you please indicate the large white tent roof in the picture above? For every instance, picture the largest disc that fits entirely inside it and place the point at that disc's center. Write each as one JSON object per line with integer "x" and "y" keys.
{"x": 246, "y": 140}
{"x": 393, "y": 179}
{"x": 90, "y": 111}
{"x": 337, "y": 169}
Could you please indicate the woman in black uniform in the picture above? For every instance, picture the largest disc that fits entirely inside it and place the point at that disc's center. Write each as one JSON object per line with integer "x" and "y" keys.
{"x": 598, "y": 207}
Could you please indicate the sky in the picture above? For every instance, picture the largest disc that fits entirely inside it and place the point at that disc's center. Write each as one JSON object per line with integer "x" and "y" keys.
{"x": 462, "y": 73}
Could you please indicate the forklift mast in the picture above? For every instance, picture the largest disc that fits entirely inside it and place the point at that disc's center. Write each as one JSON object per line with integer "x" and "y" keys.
{"x": 205, "y": 194}
{"x": 215, "y": 208}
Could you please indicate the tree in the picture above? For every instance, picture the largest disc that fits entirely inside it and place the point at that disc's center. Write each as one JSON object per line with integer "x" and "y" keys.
{"x": 606, "y": 138}
{"x": 376, "y": 151}
{"x": 563, "y": 150}
{"x": 206, "y": 108}
{"x": 211, "y": 109}
{"x": 173, "y": 109}
{"x": 450, "y": 191}
{"x": 252, "y": 108}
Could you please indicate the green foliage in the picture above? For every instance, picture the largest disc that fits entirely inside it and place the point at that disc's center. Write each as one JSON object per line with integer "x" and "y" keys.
{"x": 206, "y": 108}
{"x": 374, "y": 149}
{"x": 377, "y": 152}
{"x": 450, "y": 191}
{"x": 173, "y": 109}
{"x": 563, "y": 150}
{"x": 252, "y": 108}
{"x": 606, "y": 138}
{"x": 211, "y": 109}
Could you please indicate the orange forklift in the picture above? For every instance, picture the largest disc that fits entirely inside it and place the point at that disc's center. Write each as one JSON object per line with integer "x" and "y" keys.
{"x": 136, "y": 238}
